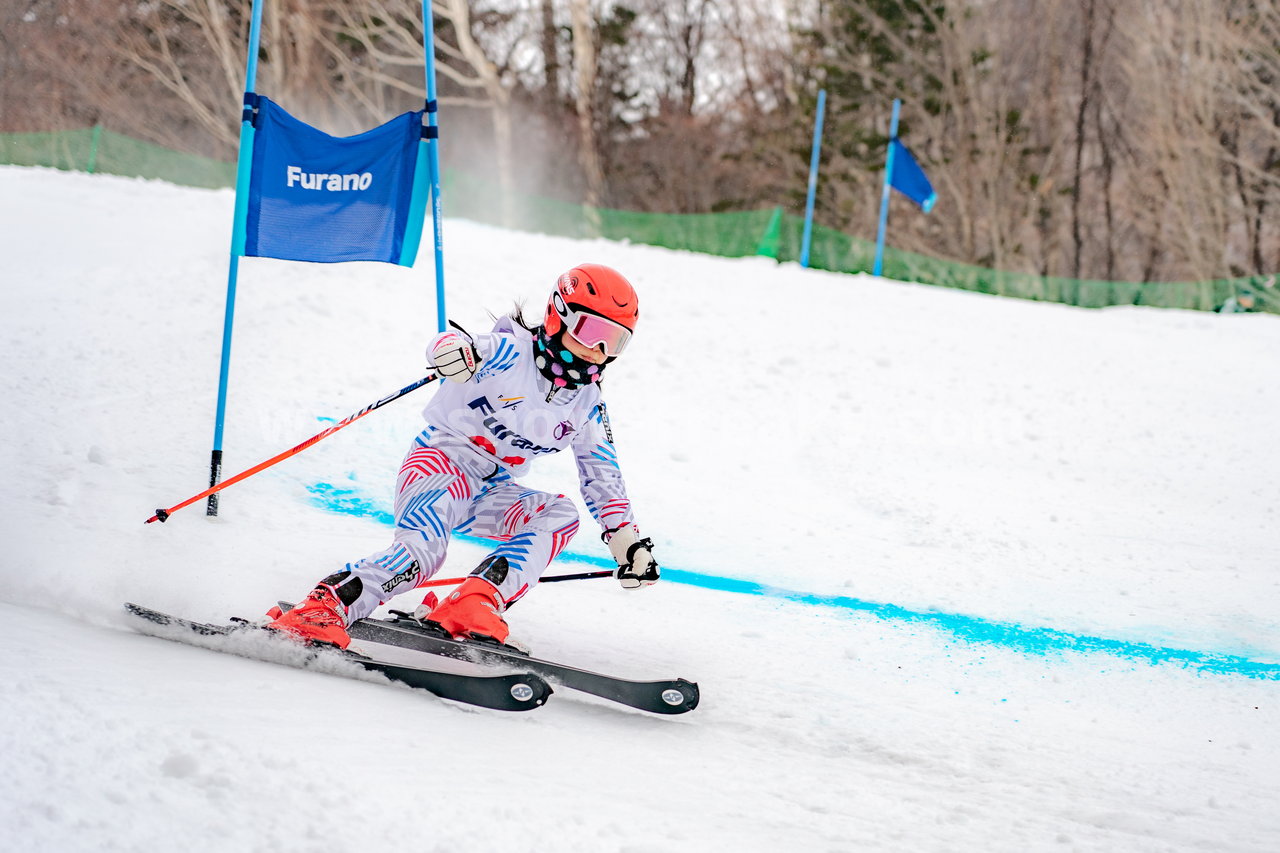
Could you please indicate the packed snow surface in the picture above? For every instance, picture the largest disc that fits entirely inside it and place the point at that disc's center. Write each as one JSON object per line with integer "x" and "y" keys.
{"x": 954, "y": 572}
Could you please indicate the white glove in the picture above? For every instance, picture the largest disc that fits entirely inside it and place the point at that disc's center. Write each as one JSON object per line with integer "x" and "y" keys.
{"x": 636, "y": 566}
{"x": 453, "y": 356}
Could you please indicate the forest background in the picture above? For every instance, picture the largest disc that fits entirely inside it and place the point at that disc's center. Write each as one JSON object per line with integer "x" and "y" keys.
{"x": 1134, "y": 140}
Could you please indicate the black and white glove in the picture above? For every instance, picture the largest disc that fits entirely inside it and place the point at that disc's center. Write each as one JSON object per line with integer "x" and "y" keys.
{"x": 636, "y": 566}
{"x": 454, "y": 356}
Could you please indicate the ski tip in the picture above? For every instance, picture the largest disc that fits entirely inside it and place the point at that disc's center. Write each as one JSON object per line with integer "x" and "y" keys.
{"x": 532, "y": 692}
{"x": 680, "y": 697}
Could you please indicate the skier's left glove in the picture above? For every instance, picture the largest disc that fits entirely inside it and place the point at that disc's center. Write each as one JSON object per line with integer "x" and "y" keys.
{"x": 636, "y": 566}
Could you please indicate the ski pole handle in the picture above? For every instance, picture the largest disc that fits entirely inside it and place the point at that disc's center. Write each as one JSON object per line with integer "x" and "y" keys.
{"x": 162, "y": 515}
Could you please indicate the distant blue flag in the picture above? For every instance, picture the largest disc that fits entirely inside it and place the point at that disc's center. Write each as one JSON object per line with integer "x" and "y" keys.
{"x": 909, "y": 179}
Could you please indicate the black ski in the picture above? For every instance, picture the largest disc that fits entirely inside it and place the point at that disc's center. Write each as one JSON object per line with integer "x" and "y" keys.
{"x": 674, "y": 696}
{"x": 519, "y": 691}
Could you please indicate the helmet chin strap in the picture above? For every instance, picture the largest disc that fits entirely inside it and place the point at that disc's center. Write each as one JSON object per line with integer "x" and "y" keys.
{"x": 561, "y": 367}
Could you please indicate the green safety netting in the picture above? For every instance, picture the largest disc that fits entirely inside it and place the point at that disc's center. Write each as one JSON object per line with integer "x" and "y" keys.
{"x": 771, "y": 233}
{"x": 99, "y": 150}
{"x": 833, "y": 250}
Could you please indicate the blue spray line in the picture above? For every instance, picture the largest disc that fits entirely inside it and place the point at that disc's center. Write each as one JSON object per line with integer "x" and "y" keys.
{"x": 969, "y": 629}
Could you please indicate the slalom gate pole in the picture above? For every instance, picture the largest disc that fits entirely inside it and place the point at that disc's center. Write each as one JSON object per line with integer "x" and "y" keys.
{"x": 244, "y": 166}
{"x": 813, "y": 179}
{"x": 878, "y": 265}
{"x": 162, "y": 515}
{"x": 433, "y": 154}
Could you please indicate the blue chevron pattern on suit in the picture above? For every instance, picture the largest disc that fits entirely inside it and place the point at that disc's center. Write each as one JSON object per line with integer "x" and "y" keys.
{"x": 501, "y": 359}
{"x": 419, "y": 513}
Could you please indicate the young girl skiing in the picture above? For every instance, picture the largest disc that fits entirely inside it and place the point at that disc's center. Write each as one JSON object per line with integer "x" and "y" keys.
{"x": 513, "y": 395}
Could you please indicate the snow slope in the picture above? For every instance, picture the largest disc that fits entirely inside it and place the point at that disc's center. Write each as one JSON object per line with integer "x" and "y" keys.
{"x": 953, "y": 572}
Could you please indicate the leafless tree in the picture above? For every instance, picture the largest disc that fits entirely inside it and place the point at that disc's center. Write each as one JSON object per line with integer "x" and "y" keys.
{"x": 584, "y": 79}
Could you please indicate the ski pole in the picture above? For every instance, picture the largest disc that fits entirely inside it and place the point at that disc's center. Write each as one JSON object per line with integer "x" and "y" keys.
{"x": 162, "y": 515}
{"x": 581, "y": 576}
{"x": 578, "y": 577}
{"x": 430, "y": 600}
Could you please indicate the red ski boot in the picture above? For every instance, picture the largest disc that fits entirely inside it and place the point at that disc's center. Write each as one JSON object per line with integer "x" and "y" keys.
{"x": 475, "y": 607}
{"x": 318, "y": 618}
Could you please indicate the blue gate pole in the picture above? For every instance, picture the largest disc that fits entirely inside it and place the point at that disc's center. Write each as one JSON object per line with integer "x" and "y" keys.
{"x": 884, "y": 195}
{"x": 433, "y": 158}
{"x": 813, "y": 178}
{"x": 244, "y": 166}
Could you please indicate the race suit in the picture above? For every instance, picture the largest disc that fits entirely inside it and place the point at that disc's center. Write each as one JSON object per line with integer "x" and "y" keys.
{"x": 459, "y": 475}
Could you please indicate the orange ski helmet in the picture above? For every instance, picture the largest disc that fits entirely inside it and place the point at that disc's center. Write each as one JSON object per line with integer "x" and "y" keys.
{"x": 596, "y": 305}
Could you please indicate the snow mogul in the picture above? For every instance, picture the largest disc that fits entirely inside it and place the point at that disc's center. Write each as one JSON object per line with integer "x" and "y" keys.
{"x": 512, "y": 395}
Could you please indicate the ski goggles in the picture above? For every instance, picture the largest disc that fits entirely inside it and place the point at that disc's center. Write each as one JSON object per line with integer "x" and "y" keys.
{"x": 592, "y": 330}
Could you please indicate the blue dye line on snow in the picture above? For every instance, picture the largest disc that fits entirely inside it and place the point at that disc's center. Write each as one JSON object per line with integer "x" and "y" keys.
{"x": 970, "y": 629}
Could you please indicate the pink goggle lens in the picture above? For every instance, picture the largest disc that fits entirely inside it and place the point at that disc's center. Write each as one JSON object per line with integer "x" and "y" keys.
{"x": 592, "y": 330}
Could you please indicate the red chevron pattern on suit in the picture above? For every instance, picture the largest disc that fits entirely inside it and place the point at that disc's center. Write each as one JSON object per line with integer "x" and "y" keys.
{"x": 430, "y": 462}
{"x": 516, "y": 516}
{"x": 560, "y": 538}
{"x": 614, "y": 511}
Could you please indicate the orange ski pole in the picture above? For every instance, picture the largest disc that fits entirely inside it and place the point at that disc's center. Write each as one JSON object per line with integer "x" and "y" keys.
{"x": 163, "y": 514}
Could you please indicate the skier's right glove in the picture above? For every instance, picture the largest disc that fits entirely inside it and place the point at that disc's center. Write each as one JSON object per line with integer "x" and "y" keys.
{"x": 636, "y": 566}
{"x": 453, "y": 356}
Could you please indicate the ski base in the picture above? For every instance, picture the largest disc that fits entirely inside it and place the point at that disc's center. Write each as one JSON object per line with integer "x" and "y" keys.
{"x": 517, "y": 691}
{"x": 668, "y": 696}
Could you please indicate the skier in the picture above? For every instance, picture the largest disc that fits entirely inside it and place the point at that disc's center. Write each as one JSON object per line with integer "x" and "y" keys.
{"x": 513, "y": 395}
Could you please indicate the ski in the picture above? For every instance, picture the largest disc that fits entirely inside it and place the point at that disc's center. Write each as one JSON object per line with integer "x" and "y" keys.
{"x": 517, "y": 691}
{"x": 671, "y": 696}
